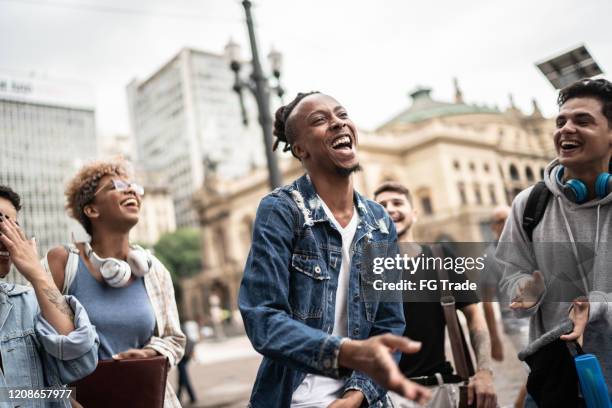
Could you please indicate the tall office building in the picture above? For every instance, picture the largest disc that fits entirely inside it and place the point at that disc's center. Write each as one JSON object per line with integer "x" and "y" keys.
{"x": 47, "y": 130}
{"x": 186, "y": 115}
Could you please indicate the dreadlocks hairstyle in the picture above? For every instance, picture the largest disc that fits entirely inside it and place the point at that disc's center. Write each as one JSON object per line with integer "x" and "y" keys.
{"x": 283, "y": 132}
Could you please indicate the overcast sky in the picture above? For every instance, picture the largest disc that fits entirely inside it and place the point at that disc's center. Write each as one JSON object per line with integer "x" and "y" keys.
{"x": 368, "y": 54}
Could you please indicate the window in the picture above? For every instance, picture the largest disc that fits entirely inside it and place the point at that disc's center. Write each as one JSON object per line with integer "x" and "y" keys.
{"x": 426, "y": 205}
{"x": 472, "y": 166}
{"x": 456, "y": 165}
{"x": 514, "y": 175}
{"x": 529, "y": 174}
{"x": 492, "y": 195}
{"x": 485, "y": 167}
{"x": 477, "y": 194}
{"x": 461, "y": 189}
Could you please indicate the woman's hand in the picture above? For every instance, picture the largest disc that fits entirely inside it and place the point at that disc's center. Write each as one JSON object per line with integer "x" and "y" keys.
{"x": 136, "y": 353}
{"x": 22, "y": 251}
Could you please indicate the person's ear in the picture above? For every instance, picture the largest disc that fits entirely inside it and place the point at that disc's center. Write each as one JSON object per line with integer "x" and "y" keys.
{"x": 91, "y": 211}
{"x": 299, "y": 152}
{"x": 415, "y": 216}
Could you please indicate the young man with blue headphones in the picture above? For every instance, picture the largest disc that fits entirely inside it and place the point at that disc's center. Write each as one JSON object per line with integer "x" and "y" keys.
{"x": 558, "y": 267}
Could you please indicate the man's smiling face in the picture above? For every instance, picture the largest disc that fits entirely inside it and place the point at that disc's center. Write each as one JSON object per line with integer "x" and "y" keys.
{"x": 399, "y": 209}
{"x": 583, "y": 137}
{"x": 326, "y": 139}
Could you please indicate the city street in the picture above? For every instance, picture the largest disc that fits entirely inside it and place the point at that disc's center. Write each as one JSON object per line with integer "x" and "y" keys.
{"x": 222, "y": 374}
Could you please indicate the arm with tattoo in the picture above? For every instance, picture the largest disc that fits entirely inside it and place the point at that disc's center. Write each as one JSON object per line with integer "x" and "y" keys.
{"x": 479, "y": 336}
{"x": 58, "y": 300}
{"x": 481, "y": 389}
{"x": 481, "y": 344}
{"x": 53, "y": 305}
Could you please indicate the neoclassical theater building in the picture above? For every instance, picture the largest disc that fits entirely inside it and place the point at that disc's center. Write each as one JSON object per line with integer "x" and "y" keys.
{"x": 459, "y": 160}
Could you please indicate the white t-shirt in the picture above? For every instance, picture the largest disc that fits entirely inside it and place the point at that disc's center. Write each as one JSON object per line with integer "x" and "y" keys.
{"x": 319, "y": 391}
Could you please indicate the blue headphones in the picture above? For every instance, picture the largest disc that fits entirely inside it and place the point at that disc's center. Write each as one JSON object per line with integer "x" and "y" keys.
{"x": 575, "y": 190}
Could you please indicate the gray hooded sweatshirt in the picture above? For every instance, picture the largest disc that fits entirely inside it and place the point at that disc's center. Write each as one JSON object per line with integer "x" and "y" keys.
{"x": 572, "y": 247}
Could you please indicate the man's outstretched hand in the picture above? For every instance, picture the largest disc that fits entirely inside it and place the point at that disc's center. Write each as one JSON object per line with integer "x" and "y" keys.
{"x": 373, "y": 358}
{"x": 529, "y": 292}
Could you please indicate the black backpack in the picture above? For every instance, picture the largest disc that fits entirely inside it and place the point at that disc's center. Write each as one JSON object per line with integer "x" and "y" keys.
{"x": 535, "y": 207}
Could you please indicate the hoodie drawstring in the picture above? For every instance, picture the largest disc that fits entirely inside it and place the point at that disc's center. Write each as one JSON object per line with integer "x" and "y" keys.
{"x": 573, "y": 242}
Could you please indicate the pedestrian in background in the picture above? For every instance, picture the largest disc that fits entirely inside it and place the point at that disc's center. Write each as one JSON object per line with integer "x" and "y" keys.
{"x": 517, "y": 329}
{"x": 426, "y": 323}
{"x": 183, "y": 372}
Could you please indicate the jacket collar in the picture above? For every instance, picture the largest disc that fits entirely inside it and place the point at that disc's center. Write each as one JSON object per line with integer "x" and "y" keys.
{"x": 6, "y": 289}
{"x": 12, "y": 289}
{"x": 305, "y": 196}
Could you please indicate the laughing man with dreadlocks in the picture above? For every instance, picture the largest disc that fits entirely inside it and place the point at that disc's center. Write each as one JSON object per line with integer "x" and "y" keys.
{"x": 300, "y": 296}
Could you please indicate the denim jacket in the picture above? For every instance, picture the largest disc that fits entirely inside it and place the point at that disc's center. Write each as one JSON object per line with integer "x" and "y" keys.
{"x": 34, "y": 354}
{"x": 287, "y": 295}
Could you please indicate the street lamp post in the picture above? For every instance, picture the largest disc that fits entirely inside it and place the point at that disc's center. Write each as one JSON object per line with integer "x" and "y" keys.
{"x": 258, "y": 85}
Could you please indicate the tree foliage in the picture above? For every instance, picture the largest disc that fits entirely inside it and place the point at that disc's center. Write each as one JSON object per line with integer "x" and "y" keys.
{"x": 180, "y": 252}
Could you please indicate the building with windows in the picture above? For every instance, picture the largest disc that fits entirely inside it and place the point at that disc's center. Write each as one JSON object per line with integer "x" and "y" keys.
{"x": 118, "y": 145}
{"x": 47, "y": 130}
{"x": 185, "y": 119}
{"x": 156, "y": 216}
{"x": 459, "y": 160}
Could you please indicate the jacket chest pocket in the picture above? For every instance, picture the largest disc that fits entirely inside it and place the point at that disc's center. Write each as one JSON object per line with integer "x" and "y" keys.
{"x": 370, "y": 297}
{"x": 374, "y": 251}
{"x": 21, "y": 360}
{"x": 308, "y": 285}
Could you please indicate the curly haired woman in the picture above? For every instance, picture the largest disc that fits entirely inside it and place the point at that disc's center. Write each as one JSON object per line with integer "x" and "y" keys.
{"x": 126, "y": 291}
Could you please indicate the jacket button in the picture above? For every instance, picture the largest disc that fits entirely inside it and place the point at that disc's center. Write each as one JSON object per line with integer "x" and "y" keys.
{"x": 317, "y": 269}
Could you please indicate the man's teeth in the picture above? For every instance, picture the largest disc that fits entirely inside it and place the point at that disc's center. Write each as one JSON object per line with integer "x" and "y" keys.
{"x": 569, "y": 144}
{"x": 4, "y": 253}
{"x": 342, "y": 140}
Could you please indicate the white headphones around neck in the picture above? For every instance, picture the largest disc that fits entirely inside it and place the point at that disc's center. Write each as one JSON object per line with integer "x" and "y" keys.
{"x": 116, "y": 272}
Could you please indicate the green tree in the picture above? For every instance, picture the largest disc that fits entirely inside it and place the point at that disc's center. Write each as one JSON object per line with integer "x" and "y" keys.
{"x": 180, "y": 252}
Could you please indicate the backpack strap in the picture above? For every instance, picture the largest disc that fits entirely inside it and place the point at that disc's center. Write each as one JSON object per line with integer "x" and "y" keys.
{"x": 535, "y": 207}
{"x": 72, "y": 264}
{"x": 70, "y": 270}
{"x": 461, "y": 354}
